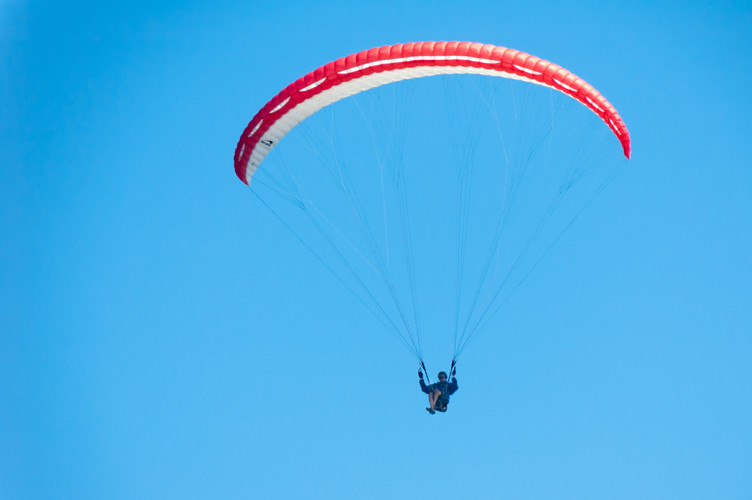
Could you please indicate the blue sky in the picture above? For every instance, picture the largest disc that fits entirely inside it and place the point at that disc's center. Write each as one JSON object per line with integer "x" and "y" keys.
{"x": 163, "y": 337}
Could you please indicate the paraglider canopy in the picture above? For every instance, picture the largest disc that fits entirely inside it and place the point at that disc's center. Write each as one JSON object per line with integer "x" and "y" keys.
{"x": 378, "y": 66}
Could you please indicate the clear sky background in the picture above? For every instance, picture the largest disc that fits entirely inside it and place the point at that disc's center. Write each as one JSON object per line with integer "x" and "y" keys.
{"x": 161, "y": 336}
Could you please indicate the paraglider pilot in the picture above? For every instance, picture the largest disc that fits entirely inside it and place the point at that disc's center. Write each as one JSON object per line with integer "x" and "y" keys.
{"x": 438, "y": 393}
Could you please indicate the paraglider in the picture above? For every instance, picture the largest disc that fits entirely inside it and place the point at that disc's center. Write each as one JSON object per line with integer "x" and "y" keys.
{"x": 358, "y": 242}
{"x": 438, "y": 393}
